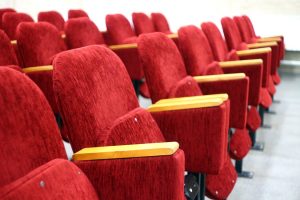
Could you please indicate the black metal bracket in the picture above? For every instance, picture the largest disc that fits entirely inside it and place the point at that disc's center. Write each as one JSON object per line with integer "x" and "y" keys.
{"x": 258, "y": 146}
{"x": 241, "y": 173}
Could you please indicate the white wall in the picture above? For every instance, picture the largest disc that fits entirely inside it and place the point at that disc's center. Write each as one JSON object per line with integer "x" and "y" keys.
{"x": 270, "y": 17}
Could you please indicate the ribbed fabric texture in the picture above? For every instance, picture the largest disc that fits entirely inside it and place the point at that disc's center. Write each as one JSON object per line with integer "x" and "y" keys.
{"x": 162, "y": 64}
{"x": 160, "y": 23}
{"x": 7, "y": 53}
{"x": 253, "y": 119}
{"x": 52, "y": 17}
{"x": 97, "y": 110}
{"x": 202, "y": 133}
{"x": 232, "y": 34}
{"x": 148, "y": 178}
{"x": 57, "y": 179}
{"x": 11, "y": 20}
{"x": 2, "y": 11}
{"x": 76, "y": 13}
{"x": 219, "y": 187}
{"x": 199, "y": 60}
{"x": 240, "y": 144}
{"x": 27, "y": 126}
{"x": 142, "y": 23}
{"x": 119, "y": 29}
{"x": 82, "y": 32}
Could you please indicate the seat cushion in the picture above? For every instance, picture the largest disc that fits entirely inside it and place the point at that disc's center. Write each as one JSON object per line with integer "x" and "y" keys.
{"x": 240, "y": 144}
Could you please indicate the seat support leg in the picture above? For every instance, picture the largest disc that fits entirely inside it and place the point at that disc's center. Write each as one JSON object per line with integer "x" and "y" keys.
{"x": 241, "y": 173}
{"x": 261, "y": 114}
{"x": 259, "y": 146}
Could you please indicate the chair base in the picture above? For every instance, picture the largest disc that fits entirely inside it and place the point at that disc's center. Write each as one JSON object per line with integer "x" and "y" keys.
{"x": 258, "y": 146}
{"x": 277, "y": 101}
{"x": 201, "y": 182}
{"x": 266, "y": 126}
{"x": 271, "y": 112}
{"x": 246, "y": 174}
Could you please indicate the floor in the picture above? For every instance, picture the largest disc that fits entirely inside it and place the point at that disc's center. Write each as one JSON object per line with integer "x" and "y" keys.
{"x": 277, "y": 168}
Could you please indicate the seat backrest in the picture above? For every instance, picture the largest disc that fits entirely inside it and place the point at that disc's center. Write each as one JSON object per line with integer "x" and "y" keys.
{"x": 75, "y": 13}
{"x": 82, "y": 32}
{"x": 195, "y": 50}
{"x": 142, "y": 23}
{"x": 118, "y": 28}
{"x": 216, "y": 41}
{"x": 243, "y": 28}
{"x": 250, "y": 25}
{"x": 7, "y": 52}
{"x": 11, "y": 20}
{"x": 52, "y": 17}
{"x": 4, "y": 10}
{"x": 29, "y": 136}
{"x": 160, "y": 23}
{"x": 92, "y": 89}
{"x": 162, "y": 64}
{"x": 231, "y": 33}
{"x": 38, "y": 43}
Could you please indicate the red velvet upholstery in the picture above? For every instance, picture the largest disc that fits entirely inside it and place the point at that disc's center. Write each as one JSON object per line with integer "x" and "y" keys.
{"x": 217, "y": 189}
{"x": 73, "y": 13}
{"x": 165, "y": 73}
{"x": 7, "y": 53}
{"x": 4, "y": 10}
{"x": 149, "y": 178}
{"x": 199, "y": 61}
{"x": 160, "y": 23}
{"x": 119, "y": 29}
{"x": 82, "y": 32}
{"x": 142, "y": 23}
{"x": 245, "y": 32}
{"x": 24, "y": 127}
{"x": 240, "y": 144}
{"x": 104, "y": 123}
{"x": 36, "y": 50}
{"x": 52, "y": 17}
{"x": 47, "y": 182}
{"x": 29, "y": 138}
{"x": 11, "y": 20}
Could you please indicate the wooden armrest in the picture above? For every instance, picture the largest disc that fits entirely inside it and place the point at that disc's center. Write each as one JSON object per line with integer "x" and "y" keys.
{"x": 269, "y": 39}
{"x": 182, "y": 105}
{"x": 259, "y": 45}
{"x": 250, "y": 52}
{"x": 13, "y": 42}
{"x": 123, "y": 46}
{"x": 38, "y": 69}
{"x": 172, "y": 36}
{"x": 224, "y": 97}
{"x": 127, "y": 151}
{"x": 219, "y": 77}
{"x": 241, "y": 63}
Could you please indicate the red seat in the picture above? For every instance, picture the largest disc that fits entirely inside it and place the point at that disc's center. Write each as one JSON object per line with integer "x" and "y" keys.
{"x": 166, "y": 76}
{"x": 7, "y": 52}
{"x": 234, "y": 42}
{"x": 30, "y": 140}
{"x": 33, "y": 40}
{"x": 142, "y": 23}
{"x": 109, "y": 114}
{"x": 160, "y": 23}
{"x": 247, "y": 37}
{"x": 11, "y": 20}
{"x": 52, "y": 17}
{"x": 4, "y": 10}
{"x": 75, "y": 13}
{"x": 254, "y": 72}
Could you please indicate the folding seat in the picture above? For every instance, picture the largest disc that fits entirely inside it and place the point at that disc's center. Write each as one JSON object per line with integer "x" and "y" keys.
{"x": 265, "y": 39}
{"x": 221, "y": 54}
{"x": 4, "y": 10}
{"x": 11, "y": 20}
{"x": 165, "y": 73}
{"x": 119, "y": 31}
{"x": 72, "y": 13}
{"x": 248, "y": 38}
{"x": 52, "y": 17}
{"x": 33, "y": 155}
{"x": 160, "y": 23}
{"x": 234, "y": 41}
{"x": 142, "y": 23}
